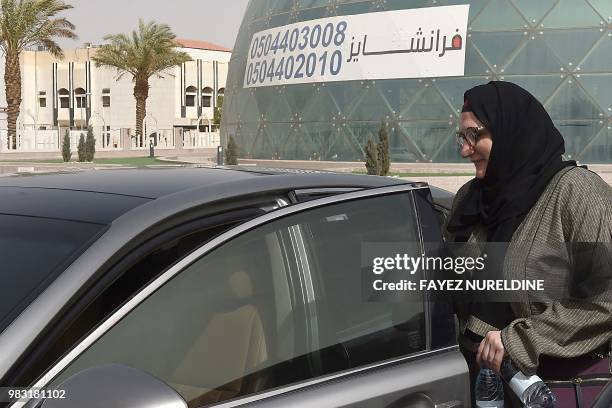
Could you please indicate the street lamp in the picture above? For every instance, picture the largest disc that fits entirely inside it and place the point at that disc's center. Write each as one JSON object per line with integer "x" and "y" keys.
{"x": 96, "y": 113}
{"x": 29, "y": 113}
{"x": 144, "y": 123}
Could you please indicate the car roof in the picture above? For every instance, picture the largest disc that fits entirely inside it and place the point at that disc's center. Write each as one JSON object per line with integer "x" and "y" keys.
{"x": 154, "y": 183}
{"x": 104, "y": 195}
{"x": 148, "y": 183}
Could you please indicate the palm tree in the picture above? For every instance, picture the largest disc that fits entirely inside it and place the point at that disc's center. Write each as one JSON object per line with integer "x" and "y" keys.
{"x": 25, "y": 24}
{"x": 149, "y": 51}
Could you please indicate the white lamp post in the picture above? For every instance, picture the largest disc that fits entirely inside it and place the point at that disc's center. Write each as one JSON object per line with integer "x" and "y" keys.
{"x": 144, "y": 123}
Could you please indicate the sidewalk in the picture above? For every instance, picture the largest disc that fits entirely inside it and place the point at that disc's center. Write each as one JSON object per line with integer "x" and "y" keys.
{"x": 446, "y": 182}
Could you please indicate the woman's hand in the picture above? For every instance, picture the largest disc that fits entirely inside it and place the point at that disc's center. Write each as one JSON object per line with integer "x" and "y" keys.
{"x": 491, "y": 351}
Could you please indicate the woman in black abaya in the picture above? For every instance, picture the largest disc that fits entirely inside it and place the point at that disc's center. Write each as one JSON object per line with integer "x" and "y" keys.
{"x": 525, "y": 193}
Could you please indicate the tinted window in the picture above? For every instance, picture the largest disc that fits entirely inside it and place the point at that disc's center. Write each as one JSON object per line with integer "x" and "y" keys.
{"x": 257, "y": 313}
{"x": 214, "y": 329}
{"x": 367, "y": 331}
{"x": 32, "y": 250}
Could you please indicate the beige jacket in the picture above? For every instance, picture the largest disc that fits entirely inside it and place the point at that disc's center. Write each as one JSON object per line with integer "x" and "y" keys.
{"x": 576, "y": 206}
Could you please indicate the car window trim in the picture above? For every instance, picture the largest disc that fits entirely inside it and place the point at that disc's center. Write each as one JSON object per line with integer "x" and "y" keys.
{"x": 153, "y": 286}
{"x": 425, "y": 299}
{"x": 306, "y": 285}
{"x": 253, "y": 398}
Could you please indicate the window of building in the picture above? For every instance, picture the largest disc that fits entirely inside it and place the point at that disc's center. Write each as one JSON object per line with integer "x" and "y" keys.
{"x": 106, "y": 99}
{"x": 190, "y": 95}
{"x": 81, "y": 98}
{"x": 220, "y": 96}
{"x": 64, "y": 98}
{"x": 207, "y": 97}
{"x": 42, "y": 99}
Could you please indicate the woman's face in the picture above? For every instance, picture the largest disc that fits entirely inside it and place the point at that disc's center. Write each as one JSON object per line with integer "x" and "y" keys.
{"x": 480, "y": 152}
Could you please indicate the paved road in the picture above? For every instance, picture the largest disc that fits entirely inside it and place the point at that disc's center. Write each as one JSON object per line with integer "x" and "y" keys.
{"x": 450, "y": 183}
{"x": 454, "y": 183}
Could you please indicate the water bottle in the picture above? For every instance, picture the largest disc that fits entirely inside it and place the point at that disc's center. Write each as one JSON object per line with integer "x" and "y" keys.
{"x": 489, "y": 389}
{"x": 531, "y": 390}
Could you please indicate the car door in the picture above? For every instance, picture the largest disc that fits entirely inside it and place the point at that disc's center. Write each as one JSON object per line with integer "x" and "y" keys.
{"x": 272, "y": 313}
{"x": 390, "y": 350}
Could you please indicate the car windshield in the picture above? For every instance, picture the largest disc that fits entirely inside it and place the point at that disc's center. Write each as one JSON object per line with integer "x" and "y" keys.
{"x": 33, "y": 251}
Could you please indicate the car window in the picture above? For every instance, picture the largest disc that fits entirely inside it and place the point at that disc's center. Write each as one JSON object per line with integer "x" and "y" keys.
{"x": 367, "y": 331}
{"x": 239, "y": 320}
{"x": 32, "y": 250}
{"x": 134, "y": 271}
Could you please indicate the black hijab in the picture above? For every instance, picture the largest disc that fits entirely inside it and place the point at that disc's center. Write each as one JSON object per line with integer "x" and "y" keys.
{"x": 526, "y": 153}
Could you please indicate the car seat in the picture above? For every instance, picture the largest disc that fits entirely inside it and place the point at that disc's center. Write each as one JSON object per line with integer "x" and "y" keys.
{"x": 232, "y": 346}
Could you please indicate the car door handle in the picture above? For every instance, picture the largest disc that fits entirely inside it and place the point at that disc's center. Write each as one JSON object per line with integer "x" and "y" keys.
{"x": 450, "y": 404}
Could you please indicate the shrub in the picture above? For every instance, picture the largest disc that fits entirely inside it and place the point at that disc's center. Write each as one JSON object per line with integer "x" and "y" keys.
{"x": 383, "y": 150}
{"x": 90, "y": 145}
{"x": 81, "y": 149}
{"x": 377, "y": 154}
{"x": 231, "y": 152}
{"x": 372, "y": 163}
{"x": 66, "y": 154}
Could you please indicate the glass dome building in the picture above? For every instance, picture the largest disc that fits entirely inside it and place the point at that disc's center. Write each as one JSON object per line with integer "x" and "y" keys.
{"x": 560, "y": 50}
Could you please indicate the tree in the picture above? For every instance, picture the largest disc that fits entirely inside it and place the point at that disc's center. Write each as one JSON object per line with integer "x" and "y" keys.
{"x": 218, "y": 111}
{"x": 81, "y": 149}
{"x": 90, "y": 145}
{"x": 25, "y": 24}
{"x": 231, "y": 152}
{"x": 383, "y": 150}
{"x": 147, "y": 52}
{"x": 372, "y": 163}
{"x": 66, "y": 154}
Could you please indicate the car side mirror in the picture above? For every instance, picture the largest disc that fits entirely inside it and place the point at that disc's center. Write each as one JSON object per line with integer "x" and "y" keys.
{"x": 117, "y": 386}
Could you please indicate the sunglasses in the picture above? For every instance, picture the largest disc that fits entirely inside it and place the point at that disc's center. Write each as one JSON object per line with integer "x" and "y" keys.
{"x": 470, "y": 135}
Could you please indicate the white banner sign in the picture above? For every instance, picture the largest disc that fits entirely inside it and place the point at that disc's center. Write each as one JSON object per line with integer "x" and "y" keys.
{"x": 415, "y": 43}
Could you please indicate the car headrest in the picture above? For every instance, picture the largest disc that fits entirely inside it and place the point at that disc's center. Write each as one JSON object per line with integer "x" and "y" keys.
{"x": 240, "y": 285}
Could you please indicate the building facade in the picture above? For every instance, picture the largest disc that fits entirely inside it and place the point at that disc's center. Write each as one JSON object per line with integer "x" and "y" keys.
{"x": 560, "y": 50}
{"x": 72, "y": 93}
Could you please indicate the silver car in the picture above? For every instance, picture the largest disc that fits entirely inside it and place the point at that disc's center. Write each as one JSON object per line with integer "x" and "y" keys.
{"x": 217, "y": 287}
